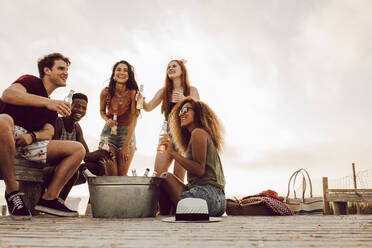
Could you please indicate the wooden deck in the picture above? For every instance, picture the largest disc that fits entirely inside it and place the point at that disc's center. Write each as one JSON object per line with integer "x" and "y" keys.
{"x": 232, "y": 231}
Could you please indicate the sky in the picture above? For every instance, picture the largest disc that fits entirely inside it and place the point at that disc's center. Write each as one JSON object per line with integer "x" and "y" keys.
{"x": 290, "y": 80}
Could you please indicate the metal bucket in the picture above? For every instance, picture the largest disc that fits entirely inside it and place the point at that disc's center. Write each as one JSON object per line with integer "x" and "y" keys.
{"x": 123, "y": 196}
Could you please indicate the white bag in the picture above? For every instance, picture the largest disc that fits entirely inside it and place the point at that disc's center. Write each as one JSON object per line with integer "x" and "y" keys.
{"x": 303, "y": 205}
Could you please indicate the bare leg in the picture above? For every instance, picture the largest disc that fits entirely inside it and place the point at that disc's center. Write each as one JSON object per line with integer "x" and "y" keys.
{"x": 68, "y": 155}
{"x": 162, "y": 162}
{"x": 164, "y": 205}
{"x": 7, "y": 153}
{"x": 173, "y": 186}
{"x": 123, "y": 166}
{"x": 179, "y": 171}
{"x": 68, "y": 186}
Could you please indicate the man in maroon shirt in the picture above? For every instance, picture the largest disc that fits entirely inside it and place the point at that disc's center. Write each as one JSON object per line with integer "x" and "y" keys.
{"x": 27, "y": 116}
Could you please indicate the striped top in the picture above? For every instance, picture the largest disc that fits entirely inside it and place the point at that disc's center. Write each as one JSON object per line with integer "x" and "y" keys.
{"x": 67, "y": 135}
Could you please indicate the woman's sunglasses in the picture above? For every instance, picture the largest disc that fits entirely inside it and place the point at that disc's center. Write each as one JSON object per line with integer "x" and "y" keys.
{"x": 184, "y": 110}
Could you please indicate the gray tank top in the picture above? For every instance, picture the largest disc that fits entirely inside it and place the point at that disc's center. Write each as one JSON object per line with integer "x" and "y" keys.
{"x": 213, "y": 169}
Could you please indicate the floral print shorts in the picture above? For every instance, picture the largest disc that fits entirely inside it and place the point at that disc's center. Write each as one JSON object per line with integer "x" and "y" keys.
{"x": 36, "y": 152}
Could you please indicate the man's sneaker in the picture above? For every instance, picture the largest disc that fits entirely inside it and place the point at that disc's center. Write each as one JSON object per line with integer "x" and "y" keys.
{"x": 16, "y": 206}
{"x": 88, "y": 174}
{"x": 55, "y": 207}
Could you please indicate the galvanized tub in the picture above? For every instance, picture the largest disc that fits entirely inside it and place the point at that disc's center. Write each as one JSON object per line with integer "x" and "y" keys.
{"x": 124, "y": 196}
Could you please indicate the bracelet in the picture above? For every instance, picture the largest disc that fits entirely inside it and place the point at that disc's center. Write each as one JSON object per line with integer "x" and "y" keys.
{"x": 33, "y": 136}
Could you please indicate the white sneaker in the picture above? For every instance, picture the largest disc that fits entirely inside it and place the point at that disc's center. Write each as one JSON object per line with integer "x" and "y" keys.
{"x": 87, "y": 174}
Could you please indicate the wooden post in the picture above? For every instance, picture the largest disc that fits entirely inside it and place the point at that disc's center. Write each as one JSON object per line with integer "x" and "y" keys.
{"x": 354, "y": 178}
{"x": 355, "y": 188}
{"x": 326, "y": 208}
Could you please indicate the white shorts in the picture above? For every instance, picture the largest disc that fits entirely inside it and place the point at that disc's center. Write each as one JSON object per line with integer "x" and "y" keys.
{"x": 36, "y": 152}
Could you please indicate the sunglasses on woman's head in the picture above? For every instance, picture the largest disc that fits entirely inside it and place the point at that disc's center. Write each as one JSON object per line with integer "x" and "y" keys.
{"x": 184, "y": 110}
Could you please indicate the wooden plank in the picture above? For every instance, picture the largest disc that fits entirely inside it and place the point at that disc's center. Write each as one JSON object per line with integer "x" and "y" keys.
{"x": 29, "y": 174}
{"x": 28, "y": 171}
{"x": 232, "y": 231}
{"x": 349, "y": 197}
{"x": 350, "y": 190}
{"x": 26, "y": 163}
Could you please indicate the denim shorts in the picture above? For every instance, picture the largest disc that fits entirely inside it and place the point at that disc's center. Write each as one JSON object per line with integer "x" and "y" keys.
{"x": 117, "y": 140}
{"x": 36, "y": 152}
{"x": 214, "y": 196}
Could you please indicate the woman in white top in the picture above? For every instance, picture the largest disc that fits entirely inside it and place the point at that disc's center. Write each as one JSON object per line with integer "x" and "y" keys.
{"x": 176, "y": 88}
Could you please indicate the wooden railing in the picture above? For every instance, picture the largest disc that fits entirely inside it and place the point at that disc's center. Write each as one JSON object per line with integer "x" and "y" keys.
{"x": 338, "y": 198}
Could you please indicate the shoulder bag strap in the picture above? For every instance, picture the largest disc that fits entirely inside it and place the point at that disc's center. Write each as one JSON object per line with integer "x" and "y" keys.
{"x": 309, "y": 180}
{"x": 294, "y": 175}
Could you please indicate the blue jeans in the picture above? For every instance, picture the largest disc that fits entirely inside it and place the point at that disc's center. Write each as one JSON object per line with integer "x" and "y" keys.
{"x": 214, "y": 196}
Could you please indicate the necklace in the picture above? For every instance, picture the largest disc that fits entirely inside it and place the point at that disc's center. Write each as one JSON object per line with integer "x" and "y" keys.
{"x": 120, "y": 99}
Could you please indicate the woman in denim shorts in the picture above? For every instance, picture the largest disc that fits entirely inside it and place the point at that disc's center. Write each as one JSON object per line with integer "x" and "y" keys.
{"x": 197, "y": 133}
{"x": 118, "y": 109}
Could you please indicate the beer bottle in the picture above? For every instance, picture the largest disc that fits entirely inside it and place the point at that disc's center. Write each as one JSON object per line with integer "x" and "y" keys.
{"x": 68, "y": 98}
{"x": 114, "y": 129}
{"x": 146, "y": 172}
{"x": 164, "y": 130}
{"x": 105, "y": 144}
{"x": 140, "y": 100}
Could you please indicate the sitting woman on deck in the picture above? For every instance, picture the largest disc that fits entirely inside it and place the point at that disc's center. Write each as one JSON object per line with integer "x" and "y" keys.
{"x": 117, "y": 108}
{"x": 197, "y": 133}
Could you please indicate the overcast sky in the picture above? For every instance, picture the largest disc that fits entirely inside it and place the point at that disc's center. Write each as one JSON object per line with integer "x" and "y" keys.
{"x": 290, "y": 80}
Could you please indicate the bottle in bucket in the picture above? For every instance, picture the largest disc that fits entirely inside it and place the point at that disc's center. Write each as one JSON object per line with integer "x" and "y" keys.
{"x": 105, "y": 143}
{"x": 164, "y": 129}
{"x": 114, "y": 129}
{"x": 146, "y": 172}
{"x": 140, "y": 100}
{"x": 154, "y": 174}
{"x": 106, "y": 147}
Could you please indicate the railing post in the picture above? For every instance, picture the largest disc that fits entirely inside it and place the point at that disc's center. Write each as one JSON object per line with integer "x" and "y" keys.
{"x": 326, "y": 208}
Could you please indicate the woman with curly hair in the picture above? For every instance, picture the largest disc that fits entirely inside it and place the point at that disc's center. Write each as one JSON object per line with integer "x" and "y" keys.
{"x": 197, "y": 133}
{"x": 119, "y": 99}
{"x": 176, "y": 88}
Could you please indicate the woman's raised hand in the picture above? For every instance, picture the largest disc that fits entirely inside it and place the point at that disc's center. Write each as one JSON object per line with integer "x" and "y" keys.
{"x": 178, "y": 96}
